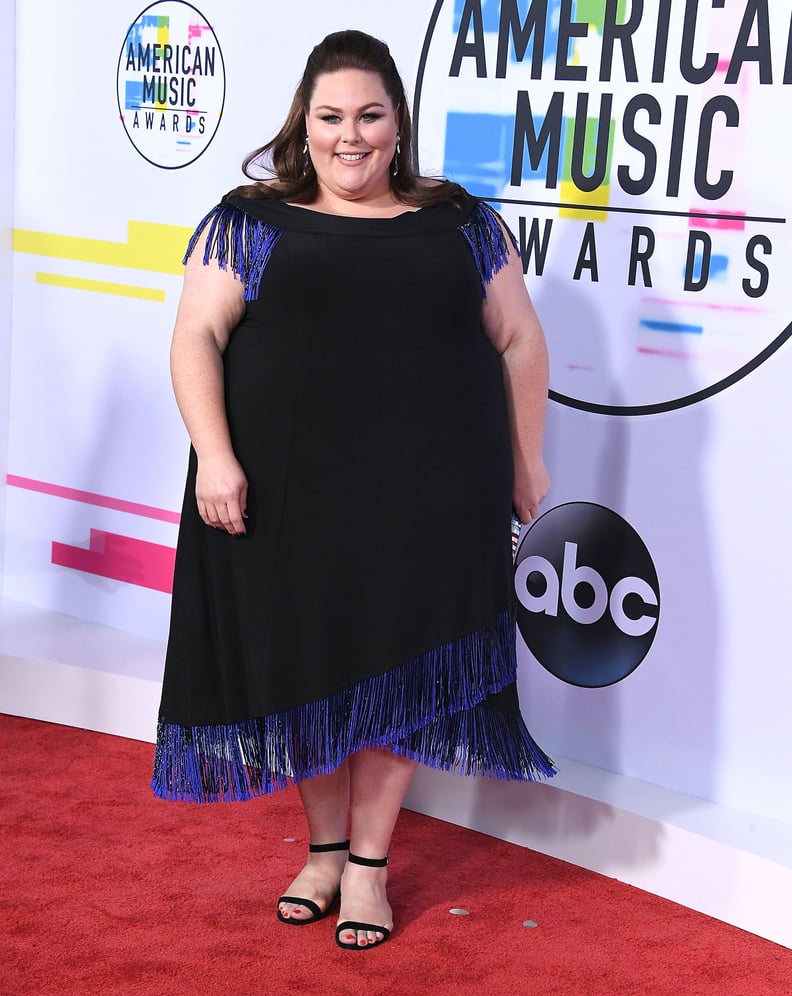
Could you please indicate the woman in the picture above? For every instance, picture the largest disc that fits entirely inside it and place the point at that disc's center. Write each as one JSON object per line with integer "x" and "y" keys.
{"x": 364, "y": 380}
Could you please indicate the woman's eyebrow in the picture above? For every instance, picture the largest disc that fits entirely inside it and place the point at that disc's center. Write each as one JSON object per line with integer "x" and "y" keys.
{"x": 327, "y": 107}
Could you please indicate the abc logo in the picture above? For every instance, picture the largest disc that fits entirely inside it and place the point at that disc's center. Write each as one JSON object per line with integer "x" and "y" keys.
{"x": 588, "y": 600}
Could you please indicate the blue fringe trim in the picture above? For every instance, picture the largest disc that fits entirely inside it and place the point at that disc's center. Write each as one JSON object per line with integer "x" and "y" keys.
{"x": 479, "y": 741}
{"x": 238, "y": 240}
{"x": 430, "y": 709}
{"x": 485, "y": 232}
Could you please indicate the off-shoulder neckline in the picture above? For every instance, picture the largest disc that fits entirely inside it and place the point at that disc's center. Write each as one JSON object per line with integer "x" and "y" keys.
{"x": 431, "y": 217}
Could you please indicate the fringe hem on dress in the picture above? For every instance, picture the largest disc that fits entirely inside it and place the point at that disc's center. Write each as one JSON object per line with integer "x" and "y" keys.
{"x": 430, "y": 709}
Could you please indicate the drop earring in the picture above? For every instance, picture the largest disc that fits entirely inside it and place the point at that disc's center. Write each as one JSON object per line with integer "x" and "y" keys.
{"x": 396, "y": 155}
{"x": 306, "y": 159}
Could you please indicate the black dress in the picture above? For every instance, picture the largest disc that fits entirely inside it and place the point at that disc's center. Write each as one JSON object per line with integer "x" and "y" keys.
{"x": 371, "y": 602}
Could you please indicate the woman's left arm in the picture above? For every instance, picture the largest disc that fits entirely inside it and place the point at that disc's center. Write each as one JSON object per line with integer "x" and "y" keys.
{"x": 514, "y": 330}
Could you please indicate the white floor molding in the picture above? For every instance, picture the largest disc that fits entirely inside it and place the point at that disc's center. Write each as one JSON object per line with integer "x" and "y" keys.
{"x": 734, "y": 866}
{"x": 65, "y": 670}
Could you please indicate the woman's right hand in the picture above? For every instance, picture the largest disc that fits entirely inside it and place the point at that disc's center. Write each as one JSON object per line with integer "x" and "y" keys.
{"x": 221, "y": 492}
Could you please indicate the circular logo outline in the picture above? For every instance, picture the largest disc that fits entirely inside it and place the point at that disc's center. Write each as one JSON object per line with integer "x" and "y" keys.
{"x": 152, "y": 162}
{"x": 567, "y": 401}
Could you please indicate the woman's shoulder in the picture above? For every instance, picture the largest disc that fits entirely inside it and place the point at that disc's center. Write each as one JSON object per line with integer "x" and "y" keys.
{"x": 249, "y": 194}
{"x": 258, "y": 200}
{"x": 470, "y": 207}
{"x": 437, "y": 189}
{"x": 259, "y": 190}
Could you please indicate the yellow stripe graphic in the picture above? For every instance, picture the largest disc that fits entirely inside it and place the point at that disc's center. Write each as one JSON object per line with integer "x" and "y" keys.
{"x": 100, "y": 286}
{"x": 149, "y": 246}
{"x": 571, "y": 195}
{"x": 162, "y": 40}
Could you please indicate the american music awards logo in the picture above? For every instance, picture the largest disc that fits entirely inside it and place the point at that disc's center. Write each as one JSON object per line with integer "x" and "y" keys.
{"x": 635, "y": 151}
{"x": 171, "y": 84}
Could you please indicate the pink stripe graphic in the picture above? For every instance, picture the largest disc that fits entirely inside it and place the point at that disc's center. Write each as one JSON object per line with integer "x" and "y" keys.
{"x": 89, "y": 498}
{"x": 675, "y": 353}
{"x": 122, "y": 558}
{"x": 712, "y": 306}
{"x": 734, "y": 223}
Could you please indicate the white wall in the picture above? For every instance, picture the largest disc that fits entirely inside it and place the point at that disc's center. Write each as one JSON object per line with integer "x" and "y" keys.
{"x": 95, "y": 441}
{"x": 7, "y": 92}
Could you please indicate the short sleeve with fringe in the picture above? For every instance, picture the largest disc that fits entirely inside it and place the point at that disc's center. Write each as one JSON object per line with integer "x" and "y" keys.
{"x": 237, "y": 240}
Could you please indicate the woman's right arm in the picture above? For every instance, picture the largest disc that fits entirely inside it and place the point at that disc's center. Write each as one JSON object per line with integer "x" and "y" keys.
{"x": 211, "y": 305}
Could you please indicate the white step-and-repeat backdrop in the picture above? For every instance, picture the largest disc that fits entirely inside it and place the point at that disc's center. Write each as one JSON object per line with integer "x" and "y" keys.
{"x": 637, "y": 151}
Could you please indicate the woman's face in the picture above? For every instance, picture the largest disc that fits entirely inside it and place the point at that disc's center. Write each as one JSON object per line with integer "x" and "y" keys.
{"x": 352, "y": 127}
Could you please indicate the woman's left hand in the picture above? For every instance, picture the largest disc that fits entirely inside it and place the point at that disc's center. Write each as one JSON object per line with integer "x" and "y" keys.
{"x": 531, "y": 484}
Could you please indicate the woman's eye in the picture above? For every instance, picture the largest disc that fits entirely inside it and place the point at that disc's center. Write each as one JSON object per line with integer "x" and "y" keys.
{"x": 368, "y": 117}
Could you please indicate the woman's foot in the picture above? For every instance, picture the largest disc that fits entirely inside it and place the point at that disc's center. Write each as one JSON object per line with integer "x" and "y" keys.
{"x": 366, "y": 918}
{"x": 318, "y": 883}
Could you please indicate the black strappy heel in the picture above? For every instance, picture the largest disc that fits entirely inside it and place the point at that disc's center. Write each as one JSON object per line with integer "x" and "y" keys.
{"x": 355, "y": 859}
{"x": 342, "y": 845}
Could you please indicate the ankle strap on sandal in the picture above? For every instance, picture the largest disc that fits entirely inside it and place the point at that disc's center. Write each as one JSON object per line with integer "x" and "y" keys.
{"x": 341, "y": 845}
{"x": 356, "y": 859}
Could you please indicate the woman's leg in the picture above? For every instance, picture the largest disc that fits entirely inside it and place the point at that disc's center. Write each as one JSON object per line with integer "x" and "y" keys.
{"x": 325, "y": 800}
{"x": 378, "y": 781}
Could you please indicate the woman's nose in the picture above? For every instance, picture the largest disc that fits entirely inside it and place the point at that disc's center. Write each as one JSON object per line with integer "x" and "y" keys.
{"x": 351, "y": 132}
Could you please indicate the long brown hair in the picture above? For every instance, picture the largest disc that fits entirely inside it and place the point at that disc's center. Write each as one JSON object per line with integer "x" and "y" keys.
{"x": 283, "y": 159}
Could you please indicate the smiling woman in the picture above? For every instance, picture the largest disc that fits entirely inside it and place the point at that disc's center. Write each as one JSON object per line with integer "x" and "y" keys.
{"x": 352, "y": 133}
{"x": 284, "y": 168}
{"x": 354, "y": 349}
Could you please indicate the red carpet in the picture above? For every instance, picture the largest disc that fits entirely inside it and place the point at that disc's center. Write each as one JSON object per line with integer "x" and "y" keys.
{"x": 105, "y": 890}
